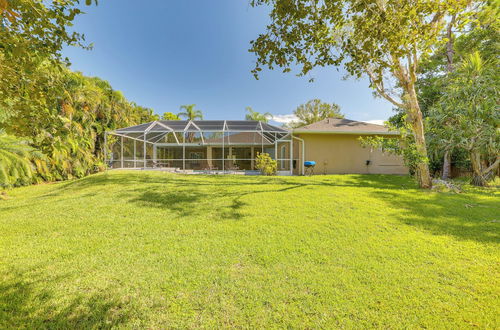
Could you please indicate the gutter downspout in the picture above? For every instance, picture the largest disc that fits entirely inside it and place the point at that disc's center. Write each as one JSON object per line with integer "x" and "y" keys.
{"x": 303, "y": 152}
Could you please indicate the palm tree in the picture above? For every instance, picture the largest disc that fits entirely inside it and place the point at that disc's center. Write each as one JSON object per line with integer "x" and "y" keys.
{"x": 189, "y": 112}
{"x": 254, "y": 115}
{"x": 16, "y": 161}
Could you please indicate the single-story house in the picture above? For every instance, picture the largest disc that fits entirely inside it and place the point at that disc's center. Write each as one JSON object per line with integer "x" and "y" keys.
{"x": 334, "y": 144}
{"x": 230, "y": 146}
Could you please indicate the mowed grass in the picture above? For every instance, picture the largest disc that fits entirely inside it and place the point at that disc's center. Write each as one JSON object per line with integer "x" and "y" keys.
{"x": 157, "y": 250}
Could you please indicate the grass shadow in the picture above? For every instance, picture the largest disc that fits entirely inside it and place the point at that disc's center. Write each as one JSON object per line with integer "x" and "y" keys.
{"x": 181, "y": 202}
{"x": 23, "y": 304}
{"x": 463, "y": 216}
{"x": 193, "y": 200}
{"x": 132, "y": 178}
{"x": 224, "y": 196}
{"x": 185, "y": 194}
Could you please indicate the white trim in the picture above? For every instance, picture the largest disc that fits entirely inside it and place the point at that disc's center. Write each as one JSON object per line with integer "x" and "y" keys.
{"x": 200, "y": 131}
{"x": 303, "y": 159}
{"x": 175, "y": 136}
{"x": 345, "y": 132}
{"x": 213, "y": 130}
{"x": 282, "y": 156}
{"x": 196, "y": 126}
{"x": 121, "y": 152}
{"x": 167, "y": 127}
{"x": 128, "y": 137}
{"x": 161, "y": 136}
{"x": 153, "y": 124}
{"x": 106, "y": 149}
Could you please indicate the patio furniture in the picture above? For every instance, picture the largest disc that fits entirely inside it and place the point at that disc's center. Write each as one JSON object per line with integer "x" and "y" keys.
{"x": 309, "y": 165}
{"x": 210, "y": 168}
{"x": 232, "y": 167}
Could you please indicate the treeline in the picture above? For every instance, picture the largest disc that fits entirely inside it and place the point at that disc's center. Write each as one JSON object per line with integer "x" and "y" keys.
{"x": 66, "y": 125}
{"x": 51, "y": 118}
{"x": 459, "y": 95}
{"x": 400, "y": 46}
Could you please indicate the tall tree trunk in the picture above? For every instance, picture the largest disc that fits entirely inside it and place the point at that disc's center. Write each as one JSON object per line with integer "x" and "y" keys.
{"x": 446, "y": 165}
{"x": 450, "y": 51}
{"x": 477, "y": 170}
{"x": 417, "y": 124}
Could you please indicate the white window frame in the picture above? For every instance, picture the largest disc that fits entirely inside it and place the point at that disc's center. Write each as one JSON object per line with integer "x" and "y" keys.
{"x": 282, "y": 156}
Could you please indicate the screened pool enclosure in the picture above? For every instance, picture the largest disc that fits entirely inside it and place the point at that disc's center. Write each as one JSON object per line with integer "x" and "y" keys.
{"x": 205, "y": 146}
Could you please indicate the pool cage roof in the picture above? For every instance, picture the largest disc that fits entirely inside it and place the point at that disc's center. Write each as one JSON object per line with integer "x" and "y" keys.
{"x": 208, "y": 131}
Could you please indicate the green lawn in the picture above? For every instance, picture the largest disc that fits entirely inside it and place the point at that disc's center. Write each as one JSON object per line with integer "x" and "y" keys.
{"x": 156, "y": 250}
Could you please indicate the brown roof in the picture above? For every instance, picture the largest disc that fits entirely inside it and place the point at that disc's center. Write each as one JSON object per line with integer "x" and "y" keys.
{"x": 343, "y": 126}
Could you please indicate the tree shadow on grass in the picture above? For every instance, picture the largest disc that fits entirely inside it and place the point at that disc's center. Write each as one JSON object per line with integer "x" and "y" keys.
{"x": 23, "y": 304}
{"x": 181, "y": 202}
{"x": 186, "y": 195}
{"x": 196, "y": 201}
{"x": 133, "y": 178}
{"x": 463, "y": 216}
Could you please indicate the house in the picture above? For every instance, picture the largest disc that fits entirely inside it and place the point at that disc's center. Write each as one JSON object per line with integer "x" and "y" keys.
{"x": 222, "y": 146}
{"x": 335, "y": 147}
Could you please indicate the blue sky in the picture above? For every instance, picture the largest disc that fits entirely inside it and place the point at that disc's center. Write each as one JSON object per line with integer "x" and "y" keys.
{"x": 163, "y": 53}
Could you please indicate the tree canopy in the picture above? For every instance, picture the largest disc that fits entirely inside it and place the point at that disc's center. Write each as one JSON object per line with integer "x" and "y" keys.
{"x": 435, "y": 73}
{"x": 384, "y": 40}
{"x": 467, "y": 115}
{"x": 33, "y": 33}
{"x": 44, "y": 107}
{"x": 314, "y": 111}
{"x": 254, "y": 115}
{"x": 170, "y": 116}
{"x": 67, "y": 122}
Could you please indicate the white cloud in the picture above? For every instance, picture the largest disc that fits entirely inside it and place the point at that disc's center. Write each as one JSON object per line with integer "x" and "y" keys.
{"x": 375, "y": 121}
{"x": 284, "y": 119}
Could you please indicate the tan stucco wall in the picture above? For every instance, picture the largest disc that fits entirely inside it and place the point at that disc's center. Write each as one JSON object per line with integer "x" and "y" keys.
{"x": 343, "y": 154}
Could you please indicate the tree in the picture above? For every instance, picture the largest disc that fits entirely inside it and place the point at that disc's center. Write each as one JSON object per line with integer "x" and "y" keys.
{"x": 61, "y": 114}
{"x": 314, "y": 111}
{"x": 32, "y": 32}
{"x": 433, "y": 76}
{"x": 190, "y": 113}
{"x": 467, "y": 115}
{"x": 18, "y": 162}
{"x": 384, "y": 40}
{"x": 170, "y": 116}
{"x": 67, "y": 122}
{"x": 254, "y": 115}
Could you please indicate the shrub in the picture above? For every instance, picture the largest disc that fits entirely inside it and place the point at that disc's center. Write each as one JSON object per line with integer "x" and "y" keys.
{"x": 265, "y": 164}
